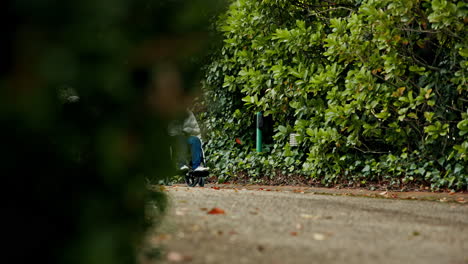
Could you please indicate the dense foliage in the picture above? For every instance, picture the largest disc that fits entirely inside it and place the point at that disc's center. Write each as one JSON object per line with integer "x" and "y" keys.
{"x": 83, "y": 116}
{"x": 376, "y": 91}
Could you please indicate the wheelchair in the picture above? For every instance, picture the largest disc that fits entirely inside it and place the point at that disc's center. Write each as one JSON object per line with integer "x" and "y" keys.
{"x": 191, "y": 177}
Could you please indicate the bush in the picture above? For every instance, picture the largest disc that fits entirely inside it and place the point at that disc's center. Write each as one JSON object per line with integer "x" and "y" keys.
{"x": 376, "y": 90}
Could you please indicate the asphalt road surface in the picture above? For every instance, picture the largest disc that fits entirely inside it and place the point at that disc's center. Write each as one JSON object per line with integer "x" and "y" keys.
{"x": 237, "y": 225}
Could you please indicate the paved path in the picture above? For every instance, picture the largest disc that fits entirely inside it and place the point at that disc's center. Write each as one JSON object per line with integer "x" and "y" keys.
{"x": 294, "y": 225}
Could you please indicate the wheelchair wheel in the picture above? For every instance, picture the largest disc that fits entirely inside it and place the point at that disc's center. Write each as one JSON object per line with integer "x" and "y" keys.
{"x": 201, "y": 181}
{"x": 191, "y": 181}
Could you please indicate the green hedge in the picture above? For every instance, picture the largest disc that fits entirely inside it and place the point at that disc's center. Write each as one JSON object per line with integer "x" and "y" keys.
{"x": 376, "y": 91}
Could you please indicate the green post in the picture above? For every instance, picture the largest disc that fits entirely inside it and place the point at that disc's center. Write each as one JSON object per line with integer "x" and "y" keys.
{"x": 259, "y": 131}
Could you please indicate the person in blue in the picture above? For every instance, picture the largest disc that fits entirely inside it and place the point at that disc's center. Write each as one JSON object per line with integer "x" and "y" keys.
{"x": 187, "y": 139}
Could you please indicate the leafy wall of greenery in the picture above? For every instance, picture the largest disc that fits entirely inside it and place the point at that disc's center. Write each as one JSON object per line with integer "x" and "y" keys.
{"x": 376, "y": 91}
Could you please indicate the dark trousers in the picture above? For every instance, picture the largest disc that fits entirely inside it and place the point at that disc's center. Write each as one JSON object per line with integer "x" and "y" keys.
{"x": 186, "y": 147}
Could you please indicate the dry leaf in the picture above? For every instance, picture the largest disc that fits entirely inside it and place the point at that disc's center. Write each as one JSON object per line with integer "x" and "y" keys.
{"x": 158, "y": 238}
{"x": 461, "y": 200}
{"x": 318, "y": 236}
{"x": 175, "y": 257}
{"x": 293, "y": 233}
{"x": 260, "y": 248}
{"x": 179, "y": 213}
{"x": 308, "y": 216}
{"x": 216, "y": 211}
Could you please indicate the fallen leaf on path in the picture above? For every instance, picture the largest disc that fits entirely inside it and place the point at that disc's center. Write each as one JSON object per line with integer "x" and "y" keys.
{"x": 216, "y": 211}
{"x": 293, "y": 233}
{"x": 443, "y": 200}
{"x": 308, "y": 216}
{"x": 383, "y": 193}
{"x": 461, "y": 200}
{"x": 179, "y": 213}
{"x": 260, "y": 248}
{"x": 158, "y": 238}
{"x": 204, "y": 209}
{"x": 215, "y": 188}
{"x": 318, "y": 236}
{"x": 174, "y": 256}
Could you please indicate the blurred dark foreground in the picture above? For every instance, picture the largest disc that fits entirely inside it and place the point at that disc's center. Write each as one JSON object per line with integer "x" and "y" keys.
{"x": 86, "y": 90}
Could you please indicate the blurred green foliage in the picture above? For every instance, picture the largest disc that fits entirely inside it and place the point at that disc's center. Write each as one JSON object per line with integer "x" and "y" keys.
{"x": 83, "y": 110}
{"x": 375, "y": 90}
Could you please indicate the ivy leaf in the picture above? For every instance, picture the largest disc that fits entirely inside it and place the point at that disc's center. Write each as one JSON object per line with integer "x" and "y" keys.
{"x": 247, "y": 99}
{"x": 463, "y": 52}
{"x": 282, "y": 129}
{"x": 417, "y": 69}
{"x": 463, "y": 126}
{"x": 428, "y": 116}
{"x": 413, "y": 115}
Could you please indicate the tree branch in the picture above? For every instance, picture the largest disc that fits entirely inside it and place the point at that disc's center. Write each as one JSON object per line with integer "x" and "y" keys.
{"x": 332, "y": 9}
{"x": 425, "y": 64}
{"x": 369, "y": 151}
